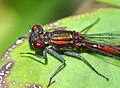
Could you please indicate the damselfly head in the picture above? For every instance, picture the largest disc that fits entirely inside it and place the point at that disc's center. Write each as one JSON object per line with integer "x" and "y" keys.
{"x": 36, "y": 37}
{"x": 37, "y": 28}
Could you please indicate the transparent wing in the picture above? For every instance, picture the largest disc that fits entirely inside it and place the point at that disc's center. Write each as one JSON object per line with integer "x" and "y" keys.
{"x": 108, "y": 38}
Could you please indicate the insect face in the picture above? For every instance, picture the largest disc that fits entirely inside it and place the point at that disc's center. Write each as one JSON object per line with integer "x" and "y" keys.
{"x": 36, "y": 37}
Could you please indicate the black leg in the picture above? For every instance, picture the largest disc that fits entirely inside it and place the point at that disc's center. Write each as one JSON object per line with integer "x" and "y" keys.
{"x": 51, "y": 51}
{"x": 42, "y": 57}
{"x": 33, "y": 54}
{"x": 85, "y": 61}
{"x": 88, "y": 27}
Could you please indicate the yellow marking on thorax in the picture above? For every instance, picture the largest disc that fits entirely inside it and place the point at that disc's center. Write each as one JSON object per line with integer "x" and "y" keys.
{"x": 62, "y": 37}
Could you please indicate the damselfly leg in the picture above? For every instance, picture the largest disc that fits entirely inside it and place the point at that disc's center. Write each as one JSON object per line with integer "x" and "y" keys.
{"x": 86, "y": 62}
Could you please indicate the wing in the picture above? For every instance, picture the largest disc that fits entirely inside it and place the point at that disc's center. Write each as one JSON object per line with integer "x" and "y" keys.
{"x": 107, "y": 44}
{"x": 108, "y": 38}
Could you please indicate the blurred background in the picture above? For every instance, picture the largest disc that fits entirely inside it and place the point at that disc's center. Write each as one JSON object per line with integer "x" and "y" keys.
{"x": 17, "y": 15}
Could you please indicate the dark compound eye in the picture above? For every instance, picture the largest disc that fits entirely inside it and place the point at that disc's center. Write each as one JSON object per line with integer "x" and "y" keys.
{"x": 37, "y": 28}
{"x": 38, "y": 46}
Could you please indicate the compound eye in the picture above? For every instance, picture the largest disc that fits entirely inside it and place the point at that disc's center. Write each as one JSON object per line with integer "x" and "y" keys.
{"x": 37, "y": 28}
{"x": 38, "y": 46}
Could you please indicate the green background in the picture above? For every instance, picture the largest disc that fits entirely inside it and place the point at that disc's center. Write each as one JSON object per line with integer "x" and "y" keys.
{"x": 76, "y": 74}
{"x": 15, "y": 18}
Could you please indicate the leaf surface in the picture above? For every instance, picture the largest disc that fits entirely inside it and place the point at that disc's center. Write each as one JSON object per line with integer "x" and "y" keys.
{"x": 27, "y": 70}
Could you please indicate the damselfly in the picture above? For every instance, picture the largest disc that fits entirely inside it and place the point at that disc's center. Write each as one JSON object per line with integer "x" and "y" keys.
{"x": 62, "y": 41}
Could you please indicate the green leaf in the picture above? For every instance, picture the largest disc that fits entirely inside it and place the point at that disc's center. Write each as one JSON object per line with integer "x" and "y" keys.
{"x": 27, "y": 70}
{"x": 111, "y": 2}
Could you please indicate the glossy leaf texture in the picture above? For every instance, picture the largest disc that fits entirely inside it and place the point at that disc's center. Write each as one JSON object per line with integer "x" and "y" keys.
{"x": 27, "y": 71}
